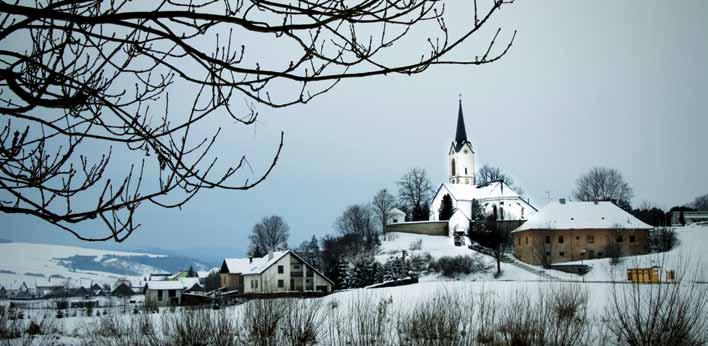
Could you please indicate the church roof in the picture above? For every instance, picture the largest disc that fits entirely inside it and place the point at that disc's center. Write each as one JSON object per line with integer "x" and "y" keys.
{"x": 582, "y": 215}
{"x": 466, "y": 192}
{"x": 460, "y": 133}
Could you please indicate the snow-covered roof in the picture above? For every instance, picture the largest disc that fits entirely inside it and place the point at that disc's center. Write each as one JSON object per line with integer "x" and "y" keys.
{"x": 252, "y": 266}
{"x": 188, "y": 283}
{"x": 582, "y": 215}
{"x": 164, "y": 285}
{"x": 264, "y": 262}
{"x": 396, "y": 211}
{"x": 466, "y": 192}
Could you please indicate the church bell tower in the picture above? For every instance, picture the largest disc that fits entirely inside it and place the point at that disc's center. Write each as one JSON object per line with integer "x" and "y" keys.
{"x": 460, "y": 158}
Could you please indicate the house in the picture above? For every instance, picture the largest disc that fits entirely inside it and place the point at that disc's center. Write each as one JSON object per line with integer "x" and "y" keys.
{"x": 122, "y": 289}
{"x": 689, "y": 217}
{"x": 395, "y": 215}
{"x": 566, "y": 231}
{"x": 169, "y": 292}
{"x": 494, "y": 198}
{"x": 281, "y": 271}
{"x": 50, "y": 289}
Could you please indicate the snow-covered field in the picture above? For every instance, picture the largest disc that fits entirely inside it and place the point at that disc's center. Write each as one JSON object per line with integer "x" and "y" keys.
{"x": 40, "y": 263}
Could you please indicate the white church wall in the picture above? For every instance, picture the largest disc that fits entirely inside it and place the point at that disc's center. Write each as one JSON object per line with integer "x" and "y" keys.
{"x": 464, "y": 166}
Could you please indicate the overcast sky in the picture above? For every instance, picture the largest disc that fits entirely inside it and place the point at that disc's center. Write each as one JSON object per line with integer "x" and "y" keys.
{"x": 617, "y": 84}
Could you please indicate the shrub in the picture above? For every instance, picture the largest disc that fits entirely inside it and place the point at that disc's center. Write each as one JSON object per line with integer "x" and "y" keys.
{"x": 453, "y": 266}
{"x": 416, "y": 245}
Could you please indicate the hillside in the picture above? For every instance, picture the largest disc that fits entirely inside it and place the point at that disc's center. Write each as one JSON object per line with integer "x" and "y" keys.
{"x": 42, "y": 263}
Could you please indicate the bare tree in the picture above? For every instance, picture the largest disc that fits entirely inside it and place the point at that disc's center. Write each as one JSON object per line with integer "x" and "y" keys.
{"x": 357, "y": 221}
{"x": 488, "y": 174}
{"x": 603, "y": 184}
{"x": 382, "y": 204}
{"x": 415, "y": 192}
{"x": 80, "y": 77}
{"x": 700, "y": 203}
{"x": 270, "y": 234}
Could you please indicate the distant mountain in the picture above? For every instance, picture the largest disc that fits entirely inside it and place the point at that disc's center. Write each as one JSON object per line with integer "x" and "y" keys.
{"x": 37, "y": 263}
{"x": 5, "y": 241}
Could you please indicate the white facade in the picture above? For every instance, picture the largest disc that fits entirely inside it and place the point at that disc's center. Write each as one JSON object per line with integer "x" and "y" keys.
{"x": 285, "y": 272}
{"x": 395, "y": 215}
{"x": 460, "y": 165}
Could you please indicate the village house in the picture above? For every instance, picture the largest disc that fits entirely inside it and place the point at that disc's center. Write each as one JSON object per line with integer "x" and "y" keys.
{"x": 281, "y": 271}
{"x": 169, "y": 292}
{"x": 566, "y": 231}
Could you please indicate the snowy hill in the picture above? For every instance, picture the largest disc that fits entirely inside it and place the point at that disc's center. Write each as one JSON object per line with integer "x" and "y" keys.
{"x": 439, "y": 246}
{"x": 43, "y": 263}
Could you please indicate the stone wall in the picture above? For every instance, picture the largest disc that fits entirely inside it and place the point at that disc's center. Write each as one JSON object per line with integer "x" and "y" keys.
{"x": 424, "y": 227}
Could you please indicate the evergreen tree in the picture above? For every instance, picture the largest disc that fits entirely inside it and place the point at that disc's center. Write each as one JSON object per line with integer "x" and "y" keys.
{"x": 191, "y": 273}
{"x": 446, "y": 208}
{"x": 343, "y": 274}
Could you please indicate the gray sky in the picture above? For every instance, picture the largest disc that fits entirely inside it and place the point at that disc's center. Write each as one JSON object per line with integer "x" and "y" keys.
{"x": 617, "y": 84}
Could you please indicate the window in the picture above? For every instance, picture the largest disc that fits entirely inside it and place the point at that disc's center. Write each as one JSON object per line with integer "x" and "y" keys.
{"x": 465, "y": 170}
{"x": 501, "y": 212}
{"x": 281, "y": 283}
{"x": 255, "y": 283}
{"x": 620, "y": 239}
{"x": 632, "y": 239}
{"x": 560, "y": 239}
{"x": 281, "y": 270}
{"x": 590, "y": 239}
{"x": 395, "y": 220}
{"x": 527, "y": 240}
{"x": 599, "y": 254}
{"x": 172, "y": 293}
{"x": 548, "y": 239}
{"x": 577, "y": 237}
{"x": 159, "y": 295}
{"x": 519, "y": 238}
{"x": 453, "y": 167}
{"x": 548, "y": 253}
{"x": 522, "y": 212}
{"x": 562, "y": 253}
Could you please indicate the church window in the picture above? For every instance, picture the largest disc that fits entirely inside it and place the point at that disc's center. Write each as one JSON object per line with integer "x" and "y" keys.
{"x": 453, "y": 167}
{"x": 522, "y": 212}
{"x": 501, "y": 213}
{"x": 465, "y": 170}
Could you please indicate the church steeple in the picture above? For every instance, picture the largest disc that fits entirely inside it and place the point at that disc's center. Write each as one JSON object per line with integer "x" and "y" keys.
{"x": 461, "y": 134}
{"x": 461, "y": 155}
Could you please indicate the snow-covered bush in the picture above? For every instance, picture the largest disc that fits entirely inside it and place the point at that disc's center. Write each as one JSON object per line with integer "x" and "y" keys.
{"x": 260, "y": 321}
{"x": 303, "y": 322}
{"x": 453, "y": 266}
{"x": 440, "y": 321}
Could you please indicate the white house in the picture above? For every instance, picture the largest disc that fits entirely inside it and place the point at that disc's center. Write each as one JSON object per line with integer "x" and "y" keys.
{"x": 281, "y": 271}
{"x": 495, "y": 198}
{"x": 395, "y": 215}
{"x": 168, "y": 292}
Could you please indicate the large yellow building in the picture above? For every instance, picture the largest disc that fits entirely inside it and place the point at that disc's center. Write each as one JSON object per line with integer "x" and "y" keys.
{"x": 571, "y": 231}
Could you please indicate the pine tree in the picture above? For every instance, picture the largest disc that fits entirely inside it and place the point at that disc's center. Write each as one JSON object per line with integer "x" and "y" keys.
{"x": 191, "y": 273}
{"x": 446, "y": 208}
{"x": 344, "y": 274}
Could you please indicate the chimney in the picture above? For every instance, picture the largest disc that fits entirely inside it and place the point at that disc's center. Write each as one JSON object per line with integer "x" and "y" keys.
{"x": 250, "y": 259}
{"x": 562, "y": 201}
{"x": 270, "y": 255}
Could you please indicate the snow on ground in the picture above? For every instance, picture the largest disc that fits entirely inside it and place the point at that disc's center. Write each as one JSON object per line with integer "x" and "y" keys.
{"x": 439, "y": 246}
{"x": 35, "y": 263}
{"x": 689, "y": 256}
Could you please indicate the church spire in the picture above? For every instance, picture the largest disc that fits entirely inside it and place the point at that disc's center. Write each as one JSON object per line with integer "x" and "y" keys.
{"x": 461, "y": 134}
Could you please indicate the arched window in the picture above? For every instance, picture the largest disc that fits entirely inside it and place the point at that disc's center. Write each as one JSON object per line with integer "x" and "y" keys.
{"x": 453, "y": 167}
{"x": 494, "y": 211}
{"x": 501, "y": 213}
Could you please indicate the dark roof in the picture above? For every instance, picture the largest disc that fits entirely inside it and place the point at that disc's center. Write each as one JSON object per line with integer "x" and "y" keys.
{"x": 460, "y": 134}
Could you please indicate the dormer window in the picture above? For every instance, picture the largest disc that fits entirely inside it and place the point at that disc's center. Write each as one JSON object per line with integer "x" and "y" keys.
{"x": 465, "y": 151}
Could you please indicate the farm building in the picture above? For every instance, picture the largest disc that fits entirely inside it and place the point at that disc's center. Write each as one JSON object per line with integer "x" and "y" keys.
{"x": 572, "y": 231}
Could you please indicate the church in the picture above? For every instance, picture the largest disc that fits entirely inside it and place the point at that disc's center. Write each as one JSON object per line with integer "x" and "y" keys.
{"x": 495, "y": 198}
